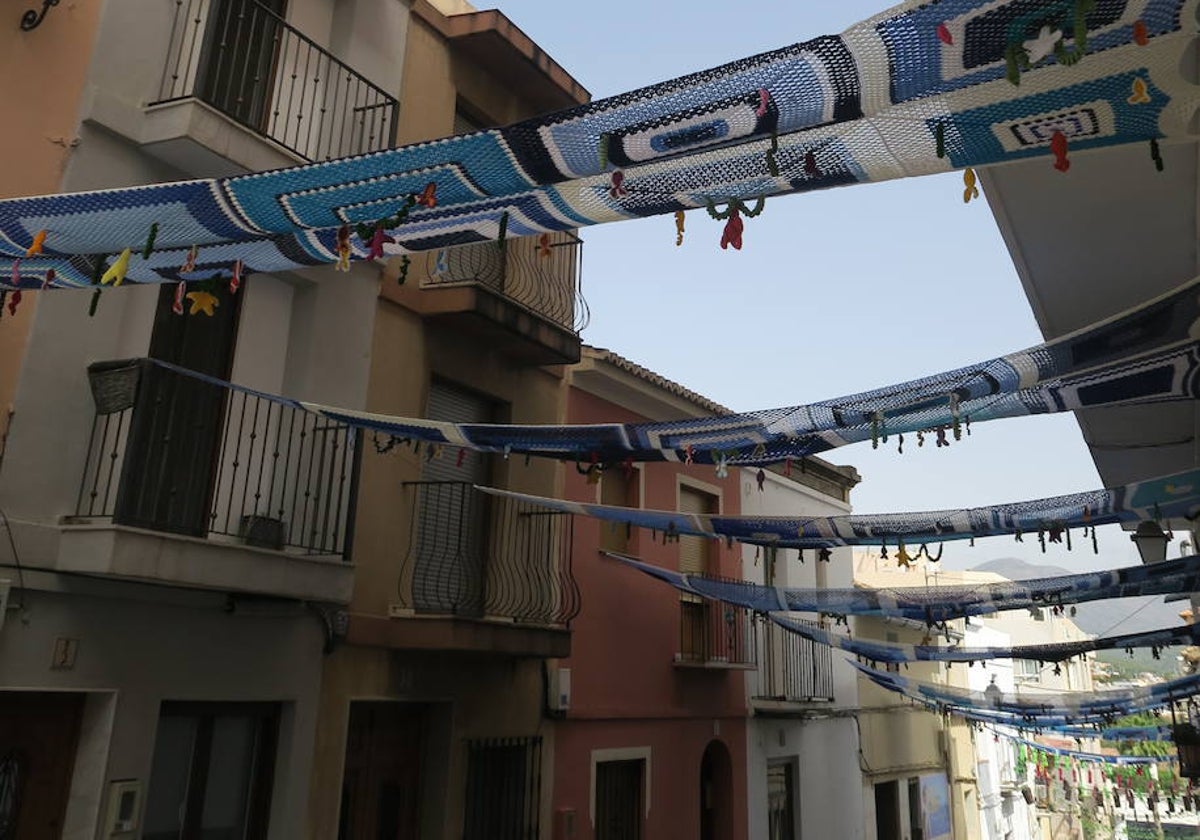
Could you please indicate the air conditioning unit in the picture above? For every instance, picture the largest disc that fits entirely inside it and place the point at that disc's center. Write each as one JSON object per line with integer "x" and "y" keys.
{"x": 559, "y": 686}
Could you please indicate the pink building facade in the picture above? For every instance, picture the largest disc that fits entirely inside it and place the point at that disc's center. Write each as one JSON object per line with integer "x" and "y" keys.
{"x": 651, "y": 736}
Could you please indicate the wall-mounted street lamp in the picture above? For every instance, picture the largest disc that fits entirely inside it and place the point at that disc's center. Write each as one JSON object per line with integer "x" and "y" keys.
{"x": 1151, "y": 542}
{"x": 32, "y": 18}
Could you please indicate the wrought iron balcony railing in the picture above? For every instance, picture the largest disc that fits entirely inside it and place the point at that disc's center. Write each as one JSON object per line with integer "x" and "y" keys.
{"x": 176, "y": 453}
{"x": 242, "y": 58}
{"x": 476, "y": 556}
{"x": 715, "y": 634}
{"x": 541, "y": 275}
{"x": 792, "y": 668}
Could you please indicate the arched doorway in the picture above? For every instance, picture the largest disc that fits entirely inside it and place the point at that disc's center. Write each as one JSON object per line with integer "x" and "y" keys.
{"x": 716, "y": 792}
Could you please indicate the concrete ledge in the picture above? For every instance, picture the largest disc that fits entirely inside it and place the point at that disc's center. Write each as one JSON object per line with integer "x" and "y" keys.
{"x": 463, "y": 635}
{"x": 766, "y": 707}
{"x": 713, "y": 664}
{"x": 135, "y": 554}
{"x": 512, "y": 329}
{"x": 189, "y": 135}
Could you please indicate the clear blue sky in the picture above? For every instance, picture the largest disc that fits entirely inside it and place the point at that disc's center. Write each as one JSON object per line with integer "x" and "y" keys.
{"x": 833, "y": 293}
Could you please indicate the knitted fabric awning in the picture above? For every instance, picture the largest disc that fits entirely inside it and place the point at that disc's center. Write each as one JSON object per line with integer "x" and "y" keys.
{"x": 1065, "y": 707}
{"x": 936, "y": 604}
{"x": 1120, "y": 733}
{"x": 892, "y": 652}
{"x": 922, "y": 88}
{"x": 1148, "y": 354}
{"x": 1081, "y": 755}
{"x": 1049, "y": 519}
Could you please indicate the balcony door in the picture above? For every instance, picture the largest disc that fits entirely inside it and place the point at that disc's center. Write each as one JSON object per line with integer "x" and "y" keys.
{"x": 450, "y": 575}
{"x": 242, "y": 49}
{"x": 174, "y": 438}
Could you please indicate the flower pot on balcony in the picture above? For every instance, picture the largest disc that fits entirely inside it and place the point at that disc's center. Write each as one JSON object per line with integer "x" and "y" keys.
{"x": 114, "y": 385}
{"x": 262, "y": 531}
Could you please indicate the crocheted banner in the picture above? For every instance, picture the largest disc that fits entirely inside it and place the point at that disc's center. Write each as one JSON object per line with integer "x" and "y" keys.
{"x": 1060, "y": 707}
{"x": 1120, "y": 733}
{"x": 920, "y": 89}
{"x": 1148, "y": 354}
{"x": 934, "y": 605}
{"x": 1080, "y": 755}
{"x": 889, "y": 652}
{"x": 1050, "y": 519}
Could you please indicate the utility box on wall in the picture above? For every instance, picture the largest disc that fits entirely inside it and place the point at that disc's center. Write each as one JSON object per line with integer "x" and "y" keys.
{"x": 559, "y": 688}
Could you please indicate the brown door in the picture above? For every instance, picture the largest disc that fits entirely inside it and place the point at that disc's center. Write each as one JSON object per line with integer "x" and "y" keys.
{"x": 38, "y": 735}
{"x": 381, "y": 786}
{"x": 167, "y": 477}
{"x": 241, "y": 50}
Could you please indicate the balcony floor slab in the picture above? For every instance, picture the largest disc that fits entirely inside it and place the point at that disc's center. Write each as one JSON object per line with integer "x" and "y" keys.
{"x": 462, "y": 635}
{"x": 150, "y": 556}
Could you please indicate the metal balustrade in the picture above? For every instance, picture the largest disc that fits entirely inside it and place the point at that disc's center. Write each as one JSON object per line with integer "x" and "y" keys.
{"x": 792, "y": 668}
{"x": 477, "y": 556}
{"x": 242, "y": 58}
{"x": 713, "y": 633}
{"x": 542, "y": 276}
{"x": 175, "y": 453}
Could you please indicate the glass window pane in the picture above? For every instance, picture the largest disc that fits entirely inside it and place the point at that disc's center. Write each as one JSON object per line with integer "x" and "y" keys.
{"x": 169, "y": 774}
{"x": 230, "y": 765}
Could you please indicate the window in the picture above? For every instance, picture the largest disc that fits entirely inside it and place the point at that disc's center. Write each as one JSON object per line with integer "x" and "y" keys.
{"x": 618, "y": 486}
{"x": 771, "y": 566}
{"x": 781, "y": 808}
{"x": 451, "y": 526}
{"x": 619, "y": 805}
{"x": 212, "y": 771}
{"x": 695, "y": 553}
{"x": 1027, "y": 670}
{"x": 695, "y": 558}
{"x": 503, "y": 789}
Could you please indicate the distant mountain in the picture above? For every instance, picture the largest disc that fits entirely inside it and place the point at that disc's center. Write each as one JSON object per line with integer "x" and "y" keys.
{"x": 1119, "y": 616}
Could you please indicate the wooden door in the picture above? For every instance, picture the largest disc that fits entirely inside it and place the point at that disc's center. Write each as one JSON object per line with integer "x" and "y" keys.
{"x": 381, "y": 786}
{"x": 241, "y": 50}
{"x": 171, "y": 456}
{"x": 39, "y": 732}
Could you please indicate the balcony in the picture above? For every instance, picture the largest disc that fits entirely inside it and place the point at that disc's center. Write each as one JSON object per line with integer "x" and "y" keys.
{"x": 522, "y": 299}
{"x": 243, "y": 63}
{"x": 792, "y": 669}
{"x": 190, "y": 483}
{"x": 483, "y": 574}
{"x": 716, "y": 635}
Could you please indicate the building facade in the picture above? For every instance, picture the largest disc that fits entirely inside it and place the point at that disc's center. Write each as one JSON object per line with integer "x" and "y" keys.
{"x": 804, "y": 775}
{"x": 224, "y": 616}
{"x": 651, "y": 737}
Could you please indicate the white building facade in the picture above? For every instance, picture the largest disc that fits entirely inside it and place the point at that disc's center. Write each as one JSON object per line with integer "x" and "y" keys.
{"x": 805, "y": 780}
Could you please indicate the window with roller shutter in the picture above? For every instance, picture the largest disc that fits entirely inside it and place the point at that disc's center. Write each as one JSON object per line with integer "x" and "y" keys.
{"x": 450, "y": 571}
{"x": 695, "y": 558}
{"x": 695, "y": 552}
{"x": 618, "y": 487}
